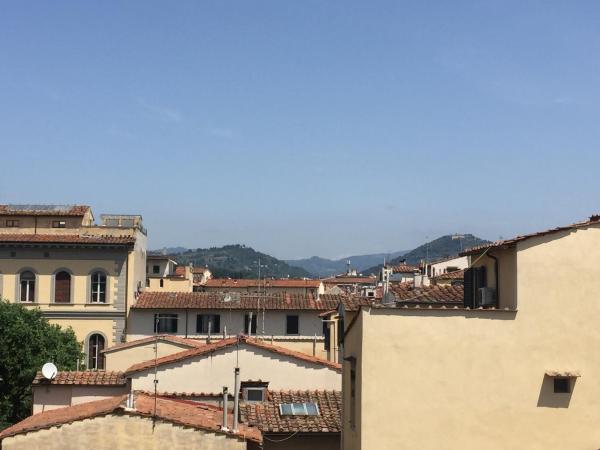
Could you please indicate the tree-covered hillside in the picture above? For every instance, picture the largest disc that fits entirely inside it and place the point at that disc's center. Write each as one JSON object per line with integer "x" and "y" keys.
{"x": 439, "y": 248}
{"x": 239, "y": 261}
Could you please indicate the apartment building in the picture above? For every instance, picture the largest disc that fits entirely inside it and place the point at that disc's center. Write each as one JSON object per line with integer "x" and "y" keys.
{"x": 163, "y": 274}
{"x": 79, "y": 274}
{"x": 289, "y": 320}
{"x": 514, "y": 366}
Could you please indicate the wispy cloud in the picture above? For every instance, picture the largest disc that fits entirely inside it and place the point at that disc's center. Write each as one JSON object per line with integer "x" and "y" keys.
{"x": 161, "y": 112}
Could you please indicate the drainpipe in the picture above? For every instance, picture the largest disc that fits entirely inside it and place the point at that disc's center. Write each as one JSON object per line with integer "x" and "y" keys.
{"x": 236, "y": 399}
{"x": 497, "y": 282}
{"x": 224, "y": 427}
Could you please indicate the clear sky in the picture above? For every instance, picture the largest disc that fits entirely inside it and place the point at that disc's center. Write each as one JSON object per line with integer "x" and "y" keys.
{"x": 305, "y": 127}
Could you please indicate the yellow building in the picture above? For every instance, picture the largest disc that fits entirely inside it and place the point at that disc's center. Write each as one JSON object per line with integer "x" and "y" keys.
{"x": 81, "y": 275}
{"x": 163, "y": 274}
{"x": 515, "y": 366}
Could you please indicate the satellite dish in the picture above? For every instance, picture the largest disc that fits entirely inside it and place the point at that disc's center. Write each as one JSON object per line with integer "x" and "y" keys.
{"x": 49, "y": 371}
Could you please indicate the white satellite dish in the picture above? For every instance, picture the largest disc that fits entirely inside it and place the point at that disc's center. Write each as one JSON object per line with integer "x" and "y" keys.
{"x": 49, "y": 371}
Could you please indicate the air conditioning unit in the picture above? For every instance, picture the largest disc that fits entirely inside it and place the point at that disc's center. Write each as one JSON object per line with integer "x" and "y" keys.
{"x": 486, "y": 296}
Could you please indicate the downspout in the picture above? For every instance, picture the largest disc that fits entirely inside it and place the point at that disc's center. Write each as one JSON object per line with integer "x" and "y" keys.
{"x": 186, "y": 322}
{"x": 497, "y": 278}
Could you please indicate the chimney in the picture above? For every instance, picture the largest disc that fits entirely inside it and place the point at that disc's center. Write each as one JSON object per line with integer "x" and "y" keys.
{"x": 225, "y": 401}
{"x": 236, "y": 398}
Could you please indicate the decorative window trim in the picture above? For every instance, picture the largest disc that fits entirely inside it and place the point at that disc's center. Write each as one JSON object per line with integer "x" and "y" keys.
{"x": 53, "y": 287}
{"x": 90, "y": 287}
{"x": 35, "y": 285}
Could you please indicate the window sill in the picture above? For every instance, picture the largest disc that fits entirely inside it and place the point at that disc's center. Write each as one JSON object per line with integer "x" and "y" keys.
{"x": 60, "y": 304}
{"x": 98, "y": 304}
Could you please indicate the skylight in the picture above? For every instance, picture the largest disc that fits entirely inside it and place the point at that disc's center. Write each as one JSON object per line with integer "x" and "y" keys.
{"x": 298, "y": 409}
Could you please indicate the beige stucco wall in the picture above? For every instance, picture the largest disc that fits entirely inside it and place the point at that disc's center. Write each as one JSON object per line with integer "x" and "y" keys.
{"x": 122, "y": 359}
{"x": 170, "y": 284}
{"x": 50, "y": 397}
{"x": 210, "y": 373}
{"x": 83, "y": 328}
{"x": 121, "y": 432}
{"x": 475, "y": 379}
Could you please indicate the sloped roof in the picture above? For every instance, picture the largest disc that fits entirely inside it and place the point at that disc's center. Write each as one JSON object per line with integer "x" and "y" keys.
{"x": 349, "y": 279}
{"x": 228, "y": 283}
{"x": 225, "y": 343}
{"x": 44, "y": 210}
{"x": 10, "y": 238}
{"x": 266, "y": 415}
{"x": 593, "y": 220}
{"x": 454, "y": 275}
{"x": 191, "y": 343}
{"x": 85, "y": 377}
{"x": 404, "y": 268}
{"x": 218, "y": 300}
{"x": 407, "y": 293}
{"x": 190, "y": 414}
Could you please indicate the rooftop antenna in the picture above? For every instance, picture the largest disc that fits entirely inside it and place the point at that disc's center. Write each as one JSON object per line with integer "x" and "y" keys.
{"x": 49, "y": 371}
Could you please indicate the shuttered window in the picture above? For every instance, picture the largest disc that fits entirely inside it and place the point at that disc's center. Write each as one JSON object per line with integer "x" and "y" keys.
{"x": 62, "y": 287}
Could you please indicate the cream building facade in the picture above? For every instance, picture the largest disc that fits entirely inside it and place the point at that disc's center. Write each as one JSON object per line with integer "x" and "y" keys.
{"x": 515, "y": 367}
{"x": 207, "y": 369}
{"x": 163, "y": 274}
{"x": 79, "y": 274}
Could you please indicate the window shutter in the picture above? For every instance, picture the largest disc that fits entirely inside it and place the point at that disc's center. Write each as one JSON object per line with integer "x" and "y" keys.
{"x": 469, "y": 287}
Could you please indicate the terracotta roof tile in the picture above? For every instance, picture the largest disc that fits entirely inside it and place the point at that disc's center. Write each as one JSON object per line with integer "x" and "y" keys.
{"x": 191, "y": 343}
{"x": 347, "y": 279}
{"x": 189, "y": 414}
{"x": 404, "y": 268}
{"x": 228, "y": 283}
{"x": 454, "y": 275}
{"x": 9, "y": 238}
{"x": 229, "y": 342}
{"x": 87, "y": 377}
{"x": 219, "y": 300}
{"x": 407, "y": 293}
{"x": 593, "y": 220}
{"x": 266, "y": 416}
{"x": 43, "y": 210}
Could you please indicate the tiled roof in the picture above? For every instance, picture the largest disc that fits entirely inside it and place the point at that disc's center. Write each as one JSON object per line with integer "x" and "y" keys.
{"x": 266, "y": 416}
{"x": 353, "y": 302}
{"x": 219, "y": 300}
{"x": 229, "y": 342}
{"x": 350, "y": 280}
{"x": 454, "y": 275}
{"x": 593, "y": 220}
{"x": 43, "y": 210}
{"x": 87, "y": 377}
{"x": 404, "y": 268}
{"x": 6, "y": 238}
{"x": 180, "y": 271}
{"x": 188, "y": 414}
{"x": 227, "y": 283}
{"x": 200, "y": 270}
{"x": 191, "y": 343}
{"x": 407, "y": 293}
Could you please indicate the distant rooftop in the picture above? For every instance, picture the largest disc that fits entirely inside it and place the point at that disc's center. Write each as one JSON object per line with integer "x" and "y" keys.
{"x": 44, "y": 210}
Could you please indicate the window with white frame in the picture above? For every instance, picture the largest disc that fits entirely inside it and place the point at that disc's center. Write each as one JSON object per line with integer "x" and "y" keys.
{"x": 98, "y": 288}
{"x": 27, "y": 282}
{"x": 95, "y": 356}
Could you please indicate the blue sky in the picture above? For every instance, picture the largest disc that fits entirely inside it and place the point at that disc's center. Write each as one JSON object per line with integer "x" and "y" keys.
{"x": 309, "y": 127}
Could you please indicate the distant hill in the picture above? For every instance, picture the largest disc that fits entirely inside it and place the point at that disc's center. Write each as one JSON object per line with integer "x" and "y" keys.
{"x": 323, "y": 267}
{"x": 169, "y": 251}
{"x": 439, "y": 248}
{"x": 239, "y": 261}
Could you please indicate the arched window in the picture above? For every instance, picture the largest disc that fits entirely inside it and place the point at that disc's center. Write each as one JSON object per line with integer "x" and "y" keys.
{"x": 62, "y": 287}
{"x": 27, "y": 280}
{"x": 95, "y": 355}
{"x": 98, "y": 287}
